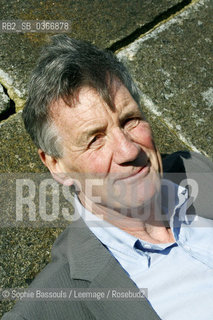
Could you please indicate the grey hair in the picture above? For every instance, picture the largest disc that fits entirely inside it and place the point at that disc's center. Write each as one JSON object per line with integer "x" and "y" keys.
{"x": 50, "y": 140}
{"x": 66, "y": 65}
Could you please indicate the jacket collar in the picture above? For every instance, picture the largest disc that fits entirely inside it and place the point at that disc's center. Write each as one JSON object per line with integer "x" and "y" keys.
{"x": 86, "y": 254}
{"x": 89, "y": 260}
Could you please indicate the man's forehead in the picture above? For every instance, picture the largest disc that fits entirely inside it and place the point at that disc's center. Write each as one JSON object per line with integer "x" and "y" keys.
{"x": 87, "y": 107}
{"x": 88, "y": 97}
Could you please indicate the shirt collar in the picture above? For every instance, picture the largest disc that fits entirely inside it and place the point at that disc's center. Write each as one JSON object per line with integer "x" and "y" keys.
{"x": 192, "y": 233}
{"x": 173, "y": 199}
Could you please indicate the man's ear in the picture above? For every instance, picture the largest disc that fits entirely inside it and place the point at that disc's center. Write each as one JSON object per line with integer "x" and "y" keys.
{"x": 56, "y": 168}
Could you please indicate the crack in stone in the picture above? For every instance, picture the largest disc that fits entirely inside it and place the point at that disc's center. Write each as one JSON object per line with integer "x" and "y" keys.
{"x": 118, "y": 44}
{"x": 11, "y": 110}
{"x": 149, "y": 26}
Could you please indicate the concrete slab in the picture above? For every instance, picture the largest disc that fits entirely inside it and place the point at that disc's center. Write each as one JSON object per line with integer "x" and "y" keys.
{"x": 18, "y": 153}
{"x": 165, "y": 140}
{"x": 173, "y": 67}
{"x": 101, "y": 22}
{"x": 24, "y": 252}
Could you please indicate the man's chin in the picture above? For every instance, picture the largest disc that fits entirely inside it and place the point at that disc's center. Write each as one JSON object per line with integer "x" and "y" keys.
{"x": 137, "y": 193}
{"x": 136, "y": 204}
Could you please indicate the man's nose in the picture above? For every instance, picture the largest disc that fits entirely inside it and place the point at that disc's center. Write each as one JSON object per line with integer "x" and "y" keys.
{"x": 124, "y": 148}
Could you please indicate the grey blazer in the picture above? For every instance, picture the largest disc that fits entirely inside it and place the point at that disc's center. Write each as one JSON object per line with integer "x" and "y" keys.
{"x": 80, "y": 260}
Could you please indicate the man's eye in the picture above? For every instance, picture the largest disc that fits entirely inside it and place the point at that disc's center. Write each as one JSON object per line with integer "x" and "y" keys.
{"x": 96, "y": 140}
{"x": 131, "y": 122}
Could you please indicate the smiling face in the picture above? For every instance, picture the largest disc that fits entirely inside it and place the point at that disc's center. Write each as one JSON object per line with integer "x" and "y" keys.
{"x": 115, "y": 147}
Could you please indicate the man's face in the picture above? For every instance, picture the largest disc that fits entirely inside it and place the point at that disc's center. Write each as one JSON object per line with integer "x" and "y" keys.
{"x": 115, "y": 147}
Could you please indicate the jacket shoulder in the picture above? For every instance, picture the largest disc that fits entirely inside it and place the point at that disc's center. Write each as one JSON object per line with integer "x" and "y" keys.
{"x": 185, "y": 161}
{"x": 195, "y": 172}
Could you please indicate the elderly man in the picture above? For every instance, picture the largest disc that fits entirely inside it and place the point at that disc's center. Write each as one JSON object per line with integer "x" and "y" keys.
{"x": 84, "y": 115}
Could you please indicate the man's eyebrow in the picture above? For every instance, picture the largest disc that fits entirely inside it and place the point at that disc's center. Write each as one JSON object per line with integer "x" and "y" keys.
{"x": 136, "y": 112}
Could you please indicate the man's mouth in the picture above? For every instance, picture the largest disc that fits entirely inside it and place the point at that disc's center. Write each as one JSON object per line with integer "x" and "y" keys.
{"x": 138, "y": 172}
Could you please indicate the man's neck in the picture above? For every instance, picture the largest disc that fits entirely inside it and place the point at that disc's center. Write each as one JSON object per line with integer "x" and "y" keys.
{"x": 148, "y": 229}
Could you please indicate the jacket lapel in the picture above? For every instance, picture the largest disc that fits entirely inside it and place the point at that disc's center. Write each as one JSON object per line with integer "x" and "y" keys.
{"x": 90, "y": 261}
{"x": 198, "y": 170}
